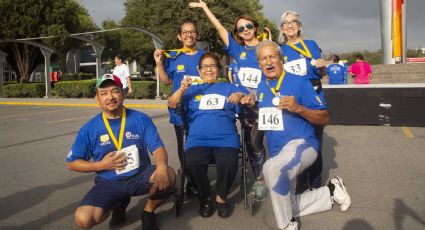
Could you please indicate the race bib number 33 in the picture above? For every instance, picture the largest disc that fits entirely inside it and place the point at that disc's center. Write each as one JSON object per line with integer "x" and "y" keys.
{"x": 270, "y": 118}
{"x": 249, "y": 77}
{"x": 298, "y": 67}
{"x": 212, "y": 101}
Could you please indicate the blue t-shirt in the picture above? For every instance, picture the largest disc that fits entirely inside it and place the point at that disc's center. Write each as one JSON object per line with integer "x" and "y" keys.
{"x": 249, "y": 72}
{"x": 177, "y": 68}
{"x": 234, "y": 69}
{"x": 336, "y": 73}
{"x": 211, "y": 127}
{"x": 290, "y": 54}
{"x": 93, "y": 141}
{"x": 295, "y": 126}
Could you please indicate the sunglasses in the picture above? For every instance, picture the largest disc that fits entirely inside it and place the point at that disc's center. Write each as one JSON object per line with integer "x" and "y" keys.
{"x": 249, "y": 26}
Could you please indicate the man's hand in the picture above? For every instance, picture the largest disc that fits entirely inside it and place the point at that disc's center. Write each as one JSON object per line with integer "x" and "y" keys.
{"x": 113, "y": 161}
{"x": 235, "y": 98}
{"x": 289, "y": 103}
{"x": 157, "y": 55}
{"x": 161, "y": 180}
{"x": 248, "y": 100}
{"x": 130, "y": 90}
{"x": 199, "y": 4}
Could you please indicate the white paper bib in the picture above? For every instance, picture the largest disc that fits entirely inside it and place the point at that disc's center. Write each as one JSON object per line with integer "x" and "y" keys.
{"x": 133, "y": 161}
{"x": 212, "y": 101}
{"x": 298, "y": 67}
{"x": 270, "y": 118}
{"x": 249, "y": 77}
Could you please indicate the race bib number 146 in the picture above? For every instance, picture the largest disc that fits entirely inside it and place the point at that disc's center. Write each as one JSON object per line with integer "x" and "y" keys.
{"x": 270, "y": 118}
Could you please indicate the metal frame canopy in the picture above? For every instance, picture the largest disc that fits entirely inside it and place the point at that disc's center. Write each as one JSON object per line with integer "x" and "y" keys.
{"x": 47, "y": 53}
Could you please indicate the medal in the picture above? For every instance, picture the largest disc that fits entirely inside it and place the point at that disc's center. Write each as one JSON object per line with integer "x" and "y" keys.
{"x": 275, "y": 101}
{"x": 313, "y": 62}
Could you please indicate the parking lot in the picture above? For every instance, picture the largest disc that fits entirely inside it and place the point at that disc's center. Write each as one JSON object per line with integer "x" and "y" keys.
{"x": 383, "y": 167}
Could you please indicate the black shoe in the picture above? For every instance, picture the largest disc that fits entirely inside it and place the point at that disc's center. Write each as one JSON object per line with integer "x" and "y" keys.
{"x": 224, "y": 209}
{"x": 206, "y": 210}
{"x": 148, "y": 221}
{"x": 118, "y": 213}
{"x": 190, "y": 189}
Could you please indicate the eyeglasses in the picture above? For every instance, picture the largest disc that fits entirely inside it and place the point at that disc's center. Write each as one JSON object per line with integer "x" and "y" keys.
{"x": 211, "y": 67}
{"x": 187, "y": 32}
{"x": 287, "y": 23}
{"x": 249, "y": 26}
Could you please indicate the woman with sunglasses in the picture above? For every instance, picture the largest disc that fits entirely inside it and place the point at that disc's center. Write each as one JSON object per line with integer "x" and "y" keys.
{"x": 303, "y": 57}
{"x": 212, "y": 133}
{"x": 242, "y": 48}
{"x": 172, "y": 69}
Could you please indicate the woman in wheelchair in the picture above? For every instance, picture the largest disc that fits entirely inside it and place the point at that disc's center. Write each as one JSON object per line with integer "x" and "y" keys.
{"x": 213, "y": 136}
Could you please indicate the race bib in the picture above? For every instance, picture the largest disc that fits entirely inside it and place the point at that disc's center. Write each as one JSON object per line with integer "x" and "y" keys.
{"x": 132, "y": 158}
{"x": 298, "y": 67}
{"x": 249, "y": 77}
{"x": 212, "y": 101}
{"x": 270, "y": 118}
{"x": 195, "y": 79}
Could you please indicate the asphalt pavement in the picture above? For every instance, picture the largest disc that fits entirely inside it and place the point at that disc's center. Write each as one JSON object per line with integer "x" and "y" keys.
{"x": 382, "y": 166}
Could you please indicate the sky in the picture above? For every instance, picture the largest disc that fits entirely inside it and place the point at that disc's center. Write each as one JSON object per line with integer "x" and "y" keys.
{"x": 336, "y": 25}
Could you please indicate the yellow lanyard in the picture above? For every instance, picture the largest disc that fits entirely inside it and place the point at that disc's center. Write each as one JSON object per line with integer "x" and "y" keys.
{"x": 305, "y": 52}
{"x": 118, "y": 144}
{"x": 279, "y": 83}
{"x": 184, "y": 50}
{"x": 262, "y": 37}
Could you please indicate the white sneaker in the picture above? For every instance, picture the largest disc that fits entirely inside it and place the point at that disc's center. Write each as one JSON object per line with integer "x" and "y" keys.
{"x": 293, "y": 225}
{"x": 340, "y": 193}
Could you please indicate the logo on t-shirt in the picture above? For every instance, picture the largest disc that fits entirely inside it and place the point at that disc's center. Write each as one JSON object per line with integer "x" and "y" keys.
{"x": 104, "y": 139}
{"x": 198, "y": 97}
{"x": 260, "y": 99}
{"x": 285, "y": 58}
{"x": 180, "y": 68}
{"x": 130, "y": 135}
{"x": 243, "y": 55}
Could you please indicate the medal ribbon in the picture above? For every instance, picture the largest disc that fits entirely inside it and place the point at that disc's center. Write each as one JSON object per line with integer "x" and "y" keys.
{"x": 262, "y": 37}
{"x": 118, "y": 144}
{"x": 279, "y": 83}
{"x": 184, "y": 50}
{"x": 306, "y": 52}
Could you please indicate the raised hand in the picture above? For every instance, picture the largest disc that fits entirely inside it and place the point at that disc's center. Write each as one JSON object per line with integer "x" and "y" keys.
{"x": 199, "y": 4}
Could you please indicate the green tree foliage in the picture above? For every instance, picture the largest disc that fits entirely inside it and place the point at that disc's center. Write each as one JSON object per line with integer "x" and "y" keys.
{"x": 35, "y": 18}
{"x": 164, "y": 17}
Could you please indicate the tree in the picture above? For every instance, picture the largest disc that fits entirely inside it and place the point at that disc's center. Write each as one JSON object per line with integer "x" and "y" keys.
{"x": 35, "y": 18}
{"x": 164, "y": 17}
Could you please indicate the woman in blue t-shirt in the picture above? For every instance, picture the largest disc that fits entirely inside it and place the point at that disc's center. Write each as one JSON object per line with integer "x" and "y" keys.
{"x": 304, "y": 58}
{"x": 213, "y": 135}
{"x": 241, "y": 46}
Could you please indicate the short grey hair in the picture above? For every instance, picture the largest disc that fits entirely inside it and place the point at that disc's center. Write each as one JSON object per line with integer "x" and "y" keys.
{"x": 268, "y": 43}
{"x": 282, "y": 37}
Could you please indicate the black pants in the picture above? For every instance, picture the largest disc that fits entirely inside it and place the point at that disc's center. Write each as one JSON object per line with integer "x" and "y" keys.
{"x": 253, "y": 140}
{"x": 226, "y": 160}
{"x": 181, "y": 137}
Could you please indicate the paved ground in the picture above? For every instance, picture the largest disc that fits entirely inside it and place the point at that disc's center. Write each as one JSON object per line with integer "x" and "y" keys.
{"x": 383, "y": 167}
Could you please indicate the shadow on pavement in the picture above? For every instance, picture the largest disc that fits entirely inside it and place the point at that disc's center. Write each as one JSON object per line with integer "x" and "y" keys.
{"x": 357, "y": 224}
{"x": 401, "y": 211}
{"x": 23, "y": 200}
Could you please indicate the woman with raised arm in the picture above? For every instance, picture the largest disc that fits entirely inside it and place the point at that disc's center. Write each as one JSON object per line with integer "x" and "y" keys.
{"x": 242, "y": 48}
{"x": 173, "y": 66}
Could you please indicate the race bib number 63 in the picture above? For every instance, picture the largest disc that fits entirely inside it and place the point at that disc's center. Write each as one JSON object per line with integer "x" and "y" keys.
{"x": 212, "y": 101}
{"x": 270, "y": 118}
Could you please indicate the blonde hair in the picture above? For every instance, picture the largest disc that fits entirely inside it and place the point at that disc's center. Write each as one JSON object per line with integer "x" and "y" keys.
{"x": 282, "y": 37}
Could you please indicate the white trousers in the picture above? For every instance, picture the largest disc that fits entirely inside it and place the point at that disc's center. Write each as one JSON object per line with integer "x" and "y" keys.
{"x": 280, "y": 174}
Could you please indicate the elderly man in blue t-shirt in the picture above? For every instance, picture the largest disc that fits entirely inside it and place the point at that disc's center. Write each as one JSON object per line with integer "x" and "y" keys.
{"x": 115, "y": 144}
{"x": 288, "y": 108}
